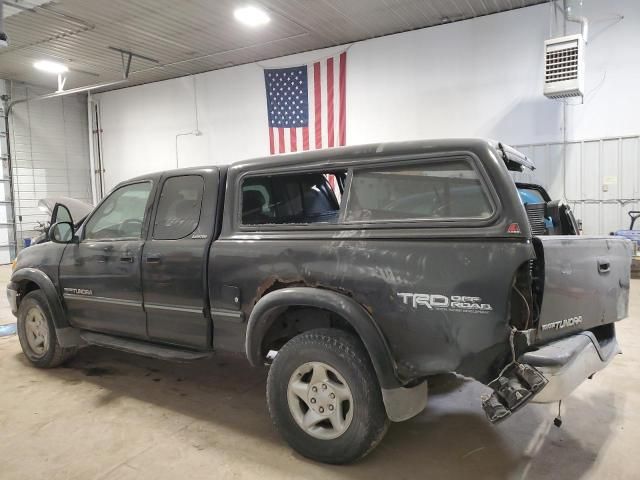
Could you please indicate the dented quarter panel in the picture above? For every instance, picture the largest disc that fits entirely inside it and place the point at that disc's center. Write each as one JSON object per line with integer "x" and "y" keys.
{"x": 374, "y": 272}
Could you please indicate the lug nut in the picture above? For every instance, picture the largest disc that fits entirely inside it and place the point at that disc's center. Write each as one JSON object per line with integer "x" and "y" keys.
{"x": 330, "y": 407}
{"x": 313, "y": 400}
{"x": 321, "y": 410}
{"x": 324, "y": 386}
{"x": 314, "y": 389}
{"x": 332, "y": 395}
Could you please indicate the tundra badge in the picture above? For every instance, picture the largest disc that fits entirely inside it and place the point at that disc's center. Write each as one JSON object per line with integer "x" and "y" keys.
{"x": 567, "y": 322}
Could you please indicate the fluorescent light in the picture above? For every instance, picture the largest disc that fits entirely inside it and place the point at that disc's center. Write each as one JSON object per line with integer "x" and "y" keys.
{"x": 252, "y": 16}
{"x": 51, "y": 67}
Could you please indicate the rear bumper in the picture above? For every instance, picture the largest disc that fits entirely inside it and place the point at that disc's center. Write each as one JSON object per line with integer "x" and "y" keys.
{"x": 566, "y": 363}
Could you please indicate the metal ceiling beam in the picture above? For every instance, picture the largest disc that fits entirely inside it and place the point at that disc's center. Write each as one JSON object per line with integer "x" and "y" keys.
{"x": 10, "y": 104}
{"x": 127, "y": 56}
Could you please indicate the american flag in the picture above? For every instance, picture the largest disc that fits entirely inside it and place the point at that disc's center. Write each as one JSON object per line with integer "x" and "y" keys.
{"x": 307, "y": 105}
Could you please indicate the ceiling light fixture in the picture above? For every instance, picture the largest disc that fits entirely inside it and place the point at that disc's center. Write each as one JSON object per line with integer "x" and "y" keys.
{"x": 51, "y": 67}
{"x": 251, "y": 15}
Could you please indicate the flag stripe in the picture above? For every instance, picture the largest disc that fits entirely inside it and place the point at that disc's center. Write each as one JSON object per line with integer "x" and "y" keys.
{"x": 305, "y": 138}
{"x": 272, "y": 147}
{"x": 330, "y": 134}
{"x": 343, "y": 100}
{"x": 281, "y": 145}
{"x": 317, "y": 87}
{"x": 312, "y": 109}
{"x": 294, "y": 140}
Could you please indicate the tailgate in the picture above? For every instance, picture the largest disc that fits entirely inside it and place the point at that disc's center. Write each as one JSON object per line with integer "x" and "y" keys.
{"x": 585, "y": 283}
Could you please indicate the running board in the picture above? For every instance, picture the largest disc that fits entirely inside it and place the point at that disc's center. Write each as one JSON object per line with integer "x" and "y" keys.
{"x": 143, "y": 348}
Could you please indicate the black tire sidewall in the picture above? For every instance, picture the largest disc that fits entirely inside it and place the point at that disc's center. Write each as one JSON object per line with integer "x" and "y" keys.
{"x": 36, "y": 299}
{"x": 369, "y": 417}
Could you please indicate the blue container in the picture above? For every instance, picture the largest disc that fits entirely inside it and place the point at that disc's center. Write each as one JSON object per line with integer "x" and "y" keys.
{"x": 27, "y": 242}
{"x": 6, "y": 330}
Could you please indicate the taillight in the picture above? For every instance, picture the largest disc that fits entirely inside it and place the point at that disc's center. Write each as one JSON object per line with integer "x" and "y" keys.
{"x": 514, "y": 228}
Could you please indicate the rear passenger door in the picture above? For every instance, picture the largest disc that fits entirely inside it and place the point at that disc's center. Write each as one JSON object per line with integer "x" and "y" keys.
{"x": 174, "y": 260}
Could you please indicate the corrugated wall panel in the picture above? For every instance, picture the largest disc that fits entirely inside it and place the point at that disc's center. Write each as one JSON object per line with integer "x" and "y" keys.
{"x": 50, "y": 149}
{"x": 599, "y": 178}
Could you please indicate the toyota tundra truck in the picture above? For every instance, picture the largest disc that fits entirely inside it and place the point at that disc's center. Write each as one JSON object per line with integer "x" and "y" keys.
{"x": 354, "y": 274}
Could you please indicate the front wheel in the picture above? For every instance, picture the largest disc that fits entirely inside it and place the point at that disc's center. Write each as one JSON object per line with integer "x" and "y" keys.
{"x": 324, "y": 397}
{"x": 37, "y": 334}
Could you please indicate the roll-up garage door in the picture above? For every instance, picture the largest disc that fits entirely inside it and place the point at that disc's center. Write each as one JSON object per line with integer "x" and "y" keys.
{"x": 50, "y": 154}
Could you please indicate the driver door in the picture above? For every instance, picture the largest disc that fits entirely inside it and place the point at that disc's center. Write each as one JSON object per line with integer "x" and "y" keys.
{"x": 100, "y": 275}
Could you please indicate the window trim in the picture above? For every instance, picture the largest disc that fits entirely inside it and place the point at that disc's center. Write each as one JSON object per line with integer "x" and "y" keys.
{"x": 367, "y": 164}
{"x": 431, "y": 222}
{"x": 143, "y": 233}
{"x": 278, "y": 172}
{"x": 152, "y": 226}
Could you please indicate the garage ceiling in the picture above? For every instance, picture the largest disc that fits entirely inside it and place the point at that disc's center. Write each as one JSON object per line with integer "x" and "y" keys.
{"x": 181, "y": 37}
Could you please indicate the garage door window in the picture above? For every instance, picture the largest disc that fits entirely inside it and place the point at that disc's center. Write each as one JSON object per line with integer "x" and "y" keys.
{"x": 436, "y": 191}
{"x": 121, "y": 215}
{"x": 291, "y": 199}
{"x": 179, "y": 207}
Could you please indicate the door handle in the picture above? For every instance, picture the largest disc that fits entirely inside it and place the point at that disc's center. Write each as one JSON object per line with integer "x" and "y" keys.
{"x": 152, "y": 259}
{"x": 604, "y": 266}
{"x": 126, "y": 259}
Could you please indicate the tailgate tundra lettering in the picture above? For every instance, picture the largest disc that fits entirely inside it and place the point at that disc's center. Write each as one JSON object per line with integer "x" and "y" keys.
{"x": 453, "y": 303}
{"x": 567, "y": 322}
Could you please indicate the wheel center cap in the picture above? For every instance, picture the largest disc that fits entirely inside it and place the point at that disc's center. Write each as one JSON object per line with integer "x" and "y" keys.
{"x": 322, "y": 398}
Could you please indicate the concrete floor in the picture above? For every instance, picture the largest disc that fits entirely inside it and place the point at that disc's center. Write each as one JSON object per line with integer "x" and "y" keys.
{"x": 110, "y": 415}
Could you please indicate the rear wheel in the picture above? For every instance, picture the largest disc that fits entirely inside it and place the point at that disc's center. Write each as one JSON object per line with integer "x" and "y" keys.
{"x": 37, "y": 334}
{"x": 324, "y": 397}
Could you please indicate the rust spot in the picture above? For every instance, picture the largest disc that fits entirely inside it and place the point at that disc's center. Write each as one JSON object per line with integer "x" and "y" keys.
{"x": 274, "y": 282}
{"x": 368, "y": 308}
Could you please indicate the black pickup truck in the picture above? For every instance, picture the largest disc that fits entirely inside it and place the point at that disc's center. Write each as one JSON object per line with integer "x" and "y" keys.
{"x": 354, "y": 273}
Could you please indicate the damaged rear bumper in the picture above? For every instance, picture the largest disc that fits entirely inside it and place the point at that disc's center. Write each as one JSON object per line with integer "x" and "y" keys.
{"x": 566, "y": 363}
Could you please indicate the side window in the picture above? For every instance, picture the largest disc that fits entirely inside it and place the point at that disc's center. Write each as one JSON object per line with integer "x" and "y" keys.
{"x": 435, "y": 191}
{"x": 291, "y": 199}
{"x": 179, "y": 207}
{"x": 121, "y": 215}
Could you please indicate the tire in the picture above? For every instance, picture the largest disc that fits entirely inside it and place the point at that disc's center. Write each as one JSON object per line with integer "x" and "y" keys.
{"x": 37, "y": 334}
{"x": 353, "y": 427}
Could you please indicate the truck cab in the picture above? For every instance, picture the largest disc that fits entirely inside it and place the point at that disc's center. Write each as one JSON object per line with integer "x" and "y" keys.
{"x": 355, "y": 274}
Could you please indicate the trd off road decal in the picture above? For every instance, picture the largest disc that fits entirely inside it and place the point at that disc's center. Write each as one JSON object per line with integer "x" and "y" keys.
{"x": 78, "y": 291}
{"x": 449, "y": 303}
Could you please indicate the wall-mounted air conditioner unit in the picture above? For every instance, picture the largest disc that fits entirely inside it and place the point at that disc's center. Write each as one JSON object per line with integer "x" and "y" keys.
{"x": 564, "y": 67}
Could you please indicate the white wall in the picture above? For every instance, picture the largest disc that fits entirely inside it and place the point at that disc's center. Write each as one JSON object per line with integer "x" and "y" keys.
{"x": 480, "y": 78}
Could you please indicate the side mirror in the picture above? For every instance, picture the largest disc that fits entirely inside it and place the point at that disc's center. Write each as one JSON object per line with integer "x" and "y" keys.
{"x": 62, "y": 232}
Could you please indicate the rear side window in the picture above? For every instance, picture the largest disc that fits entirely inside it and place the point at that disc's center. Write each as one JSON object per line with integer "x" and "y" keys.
{"x": 435, "y": 191}
{"x": 179, "y": 207}
{"x": 291, "y": 199}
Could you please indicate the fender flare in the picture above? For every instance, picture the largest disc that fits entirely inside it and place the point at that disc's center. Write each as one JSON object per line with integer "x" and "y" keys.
{"x": 46, "y": 285}
{"x": 271, "y": 305}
